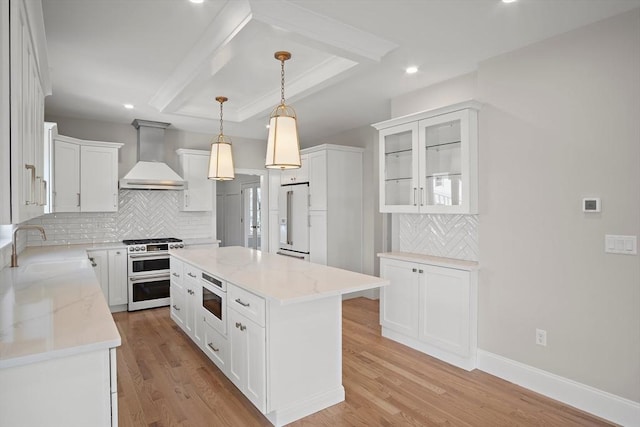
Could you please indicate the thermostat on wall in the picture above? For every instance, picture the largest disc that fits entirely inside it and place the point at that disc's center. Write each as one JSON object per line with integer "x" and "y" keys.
{"x": 591, "y": 204}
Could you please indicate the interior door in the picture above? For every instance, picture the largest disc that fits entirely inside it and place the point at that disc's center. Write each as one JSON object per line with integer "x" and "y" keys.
{"x": 251, "y": 221}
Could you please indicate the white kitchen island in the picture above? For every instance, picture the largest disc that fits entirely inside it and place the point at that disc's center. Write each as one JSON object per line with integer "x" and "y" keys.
{"x": 282, "y": 339}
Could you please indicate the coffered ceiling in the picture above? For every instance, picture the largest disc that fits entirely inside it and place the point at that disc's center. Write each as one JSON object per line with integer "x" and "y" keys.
{"x": 171, "y": 58}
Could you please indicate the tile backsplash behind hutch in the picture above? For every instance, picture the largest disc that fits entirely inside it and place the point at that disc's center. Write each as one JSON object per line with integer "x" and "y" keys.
{"x": 451, "y": 236}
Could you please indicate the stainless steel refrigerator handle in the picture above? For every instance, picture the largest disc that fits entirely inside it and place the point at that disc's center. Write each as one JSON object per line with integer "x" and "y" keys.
{"x": 292, "y": 256}
{"x": 289, "y": 212}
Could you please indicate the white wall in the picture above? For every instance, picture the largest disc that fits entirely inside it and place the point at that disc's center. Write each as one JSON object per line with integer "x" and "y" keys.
{"x": 559, "y": 123}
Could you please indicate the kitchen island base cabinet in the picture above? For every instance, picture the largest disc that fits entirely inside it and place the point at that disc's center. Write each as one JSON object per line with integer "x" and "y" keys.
{"x": 74, "y": 391}
{"x": 283, "y": 323}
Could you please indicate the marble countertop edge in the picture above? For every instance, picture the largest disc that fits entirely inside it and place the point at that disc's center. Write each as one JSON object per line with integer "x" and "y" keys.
{"x": 458, "y": 264}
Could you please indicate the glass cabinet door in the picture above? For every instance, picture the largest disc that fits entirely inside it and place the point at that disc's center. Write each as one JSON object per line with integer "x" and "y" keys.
{"x": 398, "y": 168}
{"x": 444, "y": 148}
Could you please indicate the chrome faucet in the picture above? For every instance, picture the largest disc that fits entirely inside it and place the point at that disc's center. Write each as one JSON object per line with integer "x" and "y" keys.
{"x": 14, "y": 254}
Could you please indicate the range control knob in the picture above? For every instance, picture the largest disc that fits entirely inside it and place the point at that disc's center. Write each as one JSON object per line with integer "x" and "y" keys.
{"x": 137, "y": 248}
{"x": 182, "y": 245}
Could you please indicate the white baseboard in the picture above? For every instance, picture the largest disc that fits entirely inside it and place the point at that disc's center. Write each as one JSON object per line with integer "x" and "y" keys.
{"x": 307, "y": 407}
{"x": 586, "y": 398}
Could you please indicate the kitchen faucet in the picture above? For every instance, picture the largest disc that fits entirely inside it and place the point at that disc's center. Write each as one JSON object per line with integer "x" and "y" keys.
{"x": 14, "y": 254}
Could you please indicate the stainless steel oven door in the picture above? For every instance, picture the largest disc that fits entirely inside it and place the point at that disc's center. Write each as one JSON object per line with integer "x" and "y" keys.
{"x": 146, "y": 264}
{"x": 214, "y": 306}
{"x": 148, "y": 291}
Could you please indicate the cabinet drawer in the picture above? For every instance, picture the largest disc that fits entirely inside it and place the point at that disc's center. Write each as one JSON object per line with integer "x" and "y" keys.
{"x": 176, "y": 269}
{"x": 246, "y": 303}
{"x": 214, "y": 346}
{"x": 191, "y": 272}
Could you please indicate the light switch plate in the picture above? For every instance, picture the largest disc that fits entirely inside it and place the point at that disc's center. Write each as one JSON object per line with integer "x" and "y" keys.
{"x": 627, "y": 245}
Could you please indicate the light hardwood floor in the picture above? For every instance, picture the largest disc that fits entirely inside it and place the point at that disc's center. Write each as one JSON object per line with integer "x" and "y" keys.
{"x": 165, "y": 380}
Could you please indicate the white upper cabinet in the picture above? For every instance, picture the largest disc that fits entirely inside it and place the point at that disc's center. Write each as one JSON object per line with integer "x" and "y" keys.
{"x": 429, "y": 161}
{"x": 23, "y": 59}
{"x": 194, "y": 165}
{"x": 85, "y": 175}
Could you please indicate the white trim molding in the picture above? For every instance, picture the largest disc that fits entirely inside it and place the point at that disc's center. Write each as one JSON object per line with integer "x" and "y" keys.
{"x": 586, "y": 398}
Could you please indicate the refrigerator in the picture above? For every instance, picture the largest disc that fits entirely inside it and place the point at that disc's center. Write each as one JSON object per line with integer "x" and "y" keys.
{"x": 293, "y": 220}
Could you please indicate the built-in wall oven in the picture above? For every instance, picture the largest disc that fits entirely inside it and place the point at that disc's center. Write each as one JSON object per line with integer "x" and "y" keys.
{"x": 148, "y": 271}
{"x": 214, "y": 297}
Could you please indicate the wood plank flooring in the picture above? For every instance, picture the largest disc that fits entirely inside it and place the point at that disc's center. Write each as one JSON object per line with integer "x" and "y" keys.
{"x": 165, "y": 380}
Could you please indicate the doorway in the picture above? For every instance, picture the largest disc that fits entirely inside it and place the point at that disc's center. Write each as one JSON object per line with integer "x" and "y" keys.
{"x": 251, "y": 221}
{"x": 239, "y": 210}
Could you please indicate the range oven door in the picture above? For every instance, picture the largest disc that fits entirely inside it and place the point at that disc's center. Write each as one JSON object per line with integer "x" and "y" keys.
{"x": 148, "y": 291}
{"x": 214, "y": 305}
{"x": 147, "y": 264}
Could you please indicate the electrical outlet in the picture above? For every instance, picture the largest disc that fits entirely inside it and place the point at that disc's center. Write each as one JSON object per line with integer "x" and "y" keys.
{"x": 541, "y": 337}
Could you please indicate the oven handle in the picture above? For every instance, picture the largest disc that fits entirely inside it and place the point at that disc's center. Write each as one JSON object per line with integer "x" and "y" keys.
{"x": 149, "y": 278}
{"x": 158, "y": 254}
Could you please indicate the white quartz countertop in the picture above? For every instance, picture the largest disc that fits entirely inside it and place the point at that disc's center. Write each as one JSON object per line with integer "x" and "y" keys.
{"x": 52, "y": 306}
{"x": 458, "y": 264}
{"x": 278, "y": 278}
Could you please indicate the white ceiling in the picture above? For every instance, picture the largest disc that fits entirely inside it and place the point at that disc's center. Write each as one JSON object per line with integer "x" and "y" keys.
{"x": 171, "y": 58}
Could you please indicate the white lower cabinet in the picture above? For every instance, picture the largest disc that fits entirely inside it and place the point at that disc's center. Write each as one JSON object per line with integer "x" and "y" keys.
{"x": 118, "y": 293}
{"x": 186, "y": 297}
{"x": 399, "y": 302}
{"x": 76, "y": 390}
{"x": 177, "y": 293}
{"x": 193, "y": 298}
{"x": 431, "y": 308}
{"x": 247, "y": 356}
{"x": 111, "y": 270}
{"x": 215, "y": 346}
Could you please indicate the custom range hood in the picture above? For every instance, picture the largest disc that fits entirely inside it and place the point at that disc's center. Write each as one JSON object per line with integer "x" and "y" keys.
{"x": 150, "y": 172}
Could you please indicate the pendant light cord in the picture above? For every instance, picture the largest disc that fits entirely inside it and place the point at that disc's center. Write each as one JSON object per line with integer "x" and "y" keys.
{"x": 282, "y": 82}
{"x": 221, "y": 118}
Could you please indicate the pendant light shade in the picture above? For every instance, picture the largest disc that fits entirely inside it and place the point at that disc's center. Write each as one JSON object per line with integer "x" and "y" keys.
{"x": 221, "y": 157}
{"x": 283, "y": 146}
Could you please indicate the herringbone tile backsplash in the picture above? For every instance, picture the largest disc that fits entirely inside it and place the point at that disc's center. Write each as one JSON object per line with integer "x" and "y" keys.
{"x": 141, "y": 214}
{"x": 451, "y": 236}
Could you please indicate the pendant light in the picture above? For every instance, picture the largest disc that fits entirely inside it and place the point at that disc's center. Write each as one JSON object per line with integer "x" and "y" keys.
{"x": 283, "y": 147}
{"x": 221, "y": 157}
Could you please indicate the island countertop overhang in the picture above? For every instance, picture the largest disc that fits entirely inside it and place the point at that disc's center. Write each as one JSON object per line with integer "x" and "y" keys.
{"x": 279, "y": 279}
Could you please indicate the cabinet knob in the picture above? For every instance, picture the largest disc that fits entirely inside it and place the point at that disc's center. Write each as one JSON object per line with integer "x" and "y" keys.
{"x": 420, "y": 271}
{"x": 414, "y": 269}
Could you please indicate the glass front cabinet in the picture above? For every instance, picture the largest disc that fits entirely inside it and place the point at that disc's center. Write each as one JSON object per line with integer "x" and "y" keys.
{"x": 429, "y": 161}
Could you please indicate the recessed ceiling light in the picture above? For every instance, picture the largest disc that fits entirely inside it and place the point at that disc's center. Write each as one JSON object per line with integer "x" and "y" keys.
{"x": 197, "y": 1}
{"x": 128, "y": 106}
{"x": 509, "y": 1}
{"x": 411, "y": 70}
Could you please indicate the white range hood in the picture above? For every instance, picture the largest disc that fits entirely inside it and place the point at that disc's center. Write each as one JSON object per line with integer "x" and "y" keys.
{"x": 150, "y": 172}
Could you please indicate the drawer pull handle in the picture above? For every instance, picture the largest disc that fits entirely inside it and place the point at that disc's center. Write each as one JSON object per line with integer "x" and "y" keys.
{"x": 176, "y": 308}
{"x": 210, "y": 345}
{"x": 240, "y": 326}
{"x": 244, "y": 304}
{"x": 175, "y": 274}
{"x": 191, "y": 275}
{"x": 93, "y": 262}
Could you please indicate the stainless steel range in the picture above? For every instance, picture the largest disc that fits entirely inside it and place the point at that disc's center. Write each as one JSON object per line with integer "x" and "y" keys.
{"x": 148, "y": 271}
